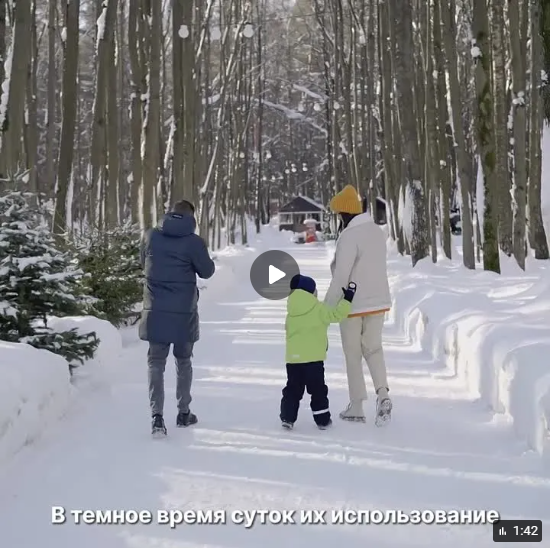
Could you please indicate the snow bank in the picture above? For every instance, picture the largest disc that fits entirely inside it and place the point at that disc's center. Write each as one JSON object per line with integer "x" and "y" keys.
{"x": 491, "y": 332}
{"x": 110, "y": 345}
{"x": 36, "y": 385}
{"x": 96, "y": 370}
{"x": 35, "y": 391}
{"x": 233, "y": 263}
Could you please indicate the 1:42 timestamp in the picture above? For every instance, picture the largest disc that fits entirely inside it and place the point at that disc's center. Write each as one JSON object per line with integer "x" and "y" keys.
{"x": 517, "y": 530}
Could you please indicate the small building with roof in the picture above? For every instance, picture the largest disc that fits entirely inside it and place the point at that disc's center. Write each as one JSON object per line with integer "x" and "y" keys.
{"x": 294, "y": 214}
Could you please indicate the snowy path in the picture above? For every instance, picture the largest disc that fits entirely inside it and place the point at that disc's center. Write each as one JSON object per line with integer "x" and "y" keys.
{"x": 442, "y": 451}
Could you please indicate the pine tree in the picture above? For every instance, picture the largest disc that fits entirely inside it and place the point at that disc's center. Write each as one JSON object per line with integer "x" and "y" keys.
{"x": 37, "y": 281}
{"x": 113, "y": 273}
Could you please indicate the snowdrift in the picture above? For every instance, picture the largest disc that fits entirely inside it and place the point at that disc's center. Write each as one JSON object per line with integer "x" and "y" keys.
{"x": 110, "y": 345}
{"x": 491, "y": 333}
{"x": 36, "y": 386}
{"x": 35, "y": 391}
{"x": 94, "y": 372}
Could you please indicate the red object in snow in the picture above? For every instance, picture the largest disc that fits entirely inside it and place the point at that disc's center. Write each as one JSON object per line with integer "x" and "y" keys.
{"x": 311, "y": 237}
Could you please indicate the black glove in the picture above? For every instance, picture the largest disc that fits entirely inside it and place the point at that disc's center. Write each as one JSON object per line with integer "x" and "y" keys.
{"x": 349, "y": 293}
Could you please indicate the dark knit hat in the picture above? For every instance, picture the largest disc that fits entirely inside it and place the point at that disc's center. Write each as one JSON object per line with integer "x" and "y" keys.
{"x": 303, "y": 282}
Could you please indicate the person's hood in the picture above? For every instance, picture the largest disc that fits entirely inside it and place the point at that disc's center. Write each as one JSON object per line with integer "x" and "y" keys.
{"x": 300, "y": 302}
{"x": 177, "y": 225}
{"x": 358, "y": 220}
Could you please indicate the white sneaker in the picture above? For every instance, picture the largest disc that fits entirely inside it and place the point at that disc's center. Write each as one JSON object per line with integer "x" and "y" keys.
{"x": 383, "y": 411}
{"x": 353, "y": 412}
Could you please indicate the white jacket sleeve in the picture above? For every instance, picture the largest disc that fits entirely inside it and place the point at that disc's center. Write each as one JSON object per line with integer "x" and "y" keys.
{"x": 344, "y": 260}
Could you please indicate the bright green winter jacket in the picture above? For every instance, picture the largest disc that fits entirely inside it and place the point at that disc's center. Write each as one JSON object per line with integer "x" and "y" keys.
{"x": 307, "y": 324}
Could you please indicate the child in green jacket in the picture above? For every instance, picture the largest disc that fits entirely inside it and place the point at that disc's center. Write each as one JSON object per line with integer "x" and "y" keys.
{"x": 306, "y": 326}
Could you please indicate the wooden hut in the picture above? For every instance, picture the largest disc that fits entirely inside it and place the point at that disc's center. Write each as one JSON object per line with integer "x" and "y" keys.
{"x": 301, "y": 208}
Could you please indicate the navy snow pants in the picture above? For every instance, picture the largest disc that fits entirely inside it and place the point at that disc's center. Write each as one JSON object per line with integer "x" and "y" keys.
{"x": 302, "y": 376}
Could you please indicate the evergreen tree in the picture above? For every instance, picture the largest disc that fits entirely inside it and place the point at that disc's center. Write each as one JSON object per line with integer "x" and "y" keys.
{"x": 113, "y": 273}
{"x": 37, "y": 281}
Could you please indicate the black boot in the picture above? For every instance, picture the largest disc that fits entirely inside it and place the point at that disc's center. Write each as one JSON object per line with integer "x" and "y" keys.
{"x": 158, "y": 428}
{"x": 186, "y": 419}
{"x": 325, "y": 426}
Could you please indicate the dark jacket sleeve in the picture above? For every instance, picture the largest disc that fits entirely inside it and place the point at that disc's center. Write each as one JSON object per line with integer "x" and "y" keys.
{"x": 203, "y": 264}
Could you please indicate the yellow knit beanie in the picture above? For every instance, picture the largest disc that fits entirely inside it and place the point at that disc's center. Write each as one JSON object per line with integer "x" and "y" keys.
{"x": 347, "y": 201}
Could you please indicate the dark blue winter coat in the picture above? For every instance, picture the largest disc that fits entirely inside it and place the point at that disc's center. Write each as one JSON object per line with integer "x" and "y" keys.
{"x": 172, "y": 255}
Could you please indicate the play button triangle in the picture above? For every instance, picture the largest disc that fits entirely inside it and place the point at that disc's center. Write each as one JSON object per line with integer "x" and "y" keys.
{"x": 271, "y": 273}
{"x": 275, "y": 274}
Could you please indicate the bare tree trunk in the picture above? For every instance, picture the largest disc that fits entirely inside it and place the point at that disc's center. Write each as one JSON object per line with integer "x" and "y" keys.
{"x": 190, "y": 103}
{"x": 135, "y": 22}
{"x": 391, "y": 166}
{"x": 485, "y": 132}
{"x": 123, "y": 187}
{"x": 501, "y": 129}
{"x": 13, "y": 116}
{"x": 519, "y": 132}
{"x": 431, "y": 152}
{"x": 444, "y": 157}
{"x": 99, "y": 173}
{"x": 112, "y": 129}
{"x": 463, "y": 158}
{"x": 3, "y": 15}
{"x": 537, "y": 233}
{"x": 177, "y": 99}
{"x": 69, "y": 107}
{"x": 405, "y": 77}
{"x": 51, "y": 113}
{"x": 31, "y": 118}
{"x": 151, "y": 123}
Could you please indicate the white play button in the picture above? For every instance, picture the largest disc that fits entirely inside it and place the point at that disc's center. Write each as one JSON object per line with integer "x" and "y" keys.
{"x": 275, "y": 274}
{"x": 271, "y": 272}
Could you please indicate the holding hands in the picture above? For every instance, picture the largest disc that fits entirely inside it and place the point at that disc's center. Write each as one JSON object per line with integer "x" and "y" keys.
{"x": 349, "y": 292}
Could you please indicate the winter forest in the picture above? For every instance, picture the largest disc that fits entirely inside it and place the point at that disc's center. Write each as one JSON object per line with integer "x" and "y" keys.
{"x": 111, "y": 110}
{"x": 422, "y": 401}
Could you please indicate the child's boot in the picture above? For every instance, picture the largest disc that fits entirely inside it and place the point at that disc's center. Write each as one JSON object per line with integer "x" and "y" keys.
{"x": 287, "y": 425}
{"x": 353, "y": 412}
{"x": 325, "y": 426}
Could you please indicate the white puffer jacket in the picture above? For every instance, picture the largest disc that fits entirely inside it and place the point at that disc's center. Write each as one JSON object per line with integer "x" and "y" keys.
{"x": 361, "y": 257}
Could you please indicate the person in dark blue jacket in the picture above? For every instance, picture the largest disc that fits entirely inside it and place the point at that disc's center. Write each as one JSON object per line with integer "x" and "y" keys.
{"x": 172, "y": 256}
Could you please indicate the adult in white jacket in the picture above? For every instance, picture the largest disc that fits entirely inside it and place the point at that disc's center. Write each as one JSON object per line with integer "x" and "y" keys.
{"x": 361, "y": 258}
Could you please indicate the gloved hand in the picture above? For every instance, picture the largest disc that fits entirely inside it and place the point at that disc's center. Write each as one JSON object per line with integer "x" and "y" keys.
{"x": 349, "y": 293}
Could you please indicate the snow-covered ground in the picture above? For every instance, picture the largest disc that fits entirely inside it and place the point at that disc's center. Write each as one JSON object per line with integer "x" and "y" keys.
{"x": 36, "y": 388}
{"x": 35, "y": 391}
{"x": 492, "y": 332}
{"x": 443, "y": 451}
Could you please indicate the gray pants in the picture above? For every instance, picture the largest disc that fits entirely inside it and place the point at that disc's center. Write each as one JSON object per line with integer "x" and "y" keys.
{"x": 156, "y": 360}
